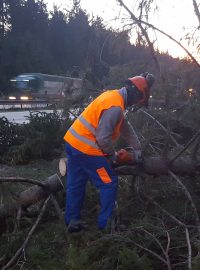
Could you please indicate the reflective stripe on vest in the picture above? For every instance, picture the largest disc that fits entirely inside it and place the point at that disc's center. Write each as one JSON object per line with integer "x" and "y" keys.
{"x": 83, "y": 139}
{"x": 87, "y": 124}
{"x": 82, "y": 134}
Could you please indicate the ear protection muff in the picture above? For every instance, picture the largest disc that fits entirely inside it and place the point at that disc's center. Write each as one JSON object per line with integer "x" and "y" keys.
{"x": 134, "y": 96}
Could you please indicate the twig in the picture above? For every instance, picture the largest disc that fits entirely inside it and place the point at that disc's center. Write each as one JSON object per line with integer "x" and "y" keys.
{"x": 59, "y": 213}
{"x": 160, "y": 125}
{"x": 168, "y": 243}
{"x": 128, "y": 240}
{"x": 148, "y": 250}
{"x": 21, "y": 249}
{"x": 196, "y": 148}
{"x": 187, "y": 193}
{"x": 151, "y": 252}
{"x": 196, "y": 11}
{"x": 189, "y": 249}
{"x": 180, "y": 223}
{"x": 149, "y": 144}
{"x": 186, "y": 146}
{"x": 165, "y": 252}
{"x": 73, "y": 114}
{"x": 18, "y": 217}
{"x": 144, "y": 33}
{"x": 60, "y": 181}
{"x": 179, "y": 263}
{"x": 57, "y": 207}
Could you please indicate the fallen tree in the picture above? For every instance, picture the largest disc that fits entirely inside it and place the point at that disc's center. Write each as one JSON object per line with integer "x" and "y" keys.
{"x": 160, "y": 166}
{"x": 32, "y": 195}
{"x": 155, "y": 166}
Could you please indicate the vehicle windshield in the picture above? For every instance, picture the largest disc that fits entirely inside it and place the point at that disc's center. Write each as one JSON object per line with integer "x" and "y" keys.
{"x": 22, "y": 84}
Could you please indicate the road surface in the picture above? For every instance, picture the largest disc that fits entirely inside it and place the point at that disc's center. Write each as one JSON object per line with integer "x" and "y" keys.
{"x": 19, "y": 117}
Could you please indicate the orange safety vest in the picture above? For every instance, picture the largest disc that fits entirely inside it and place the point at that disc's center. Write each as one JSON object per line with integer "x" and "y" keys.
{"x": 81, "y": 135}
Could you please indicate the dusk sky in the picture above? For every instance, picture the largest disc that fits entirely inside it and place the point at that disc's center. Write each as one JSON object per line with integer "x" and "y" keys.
{"x": 176, "y": 18}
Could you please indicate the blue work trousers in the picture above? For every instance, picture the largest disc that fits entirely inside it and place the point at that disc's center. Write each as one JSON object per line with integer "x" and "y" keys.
{"x": 80, "y": 168}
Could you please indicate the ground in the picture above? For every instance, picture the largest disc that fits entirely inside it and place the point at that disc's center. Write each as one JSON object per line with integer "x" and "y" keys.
{"x": 141, "y": 222}
{"x": 49, "y": 246}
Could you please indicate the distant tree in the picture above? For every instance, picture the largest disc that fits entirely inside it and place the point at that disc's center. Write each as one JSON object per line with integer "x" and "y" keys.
{"x": 58, "y": 36}
{"x": 78, "y": 36}
{"x": 3, "y": 18}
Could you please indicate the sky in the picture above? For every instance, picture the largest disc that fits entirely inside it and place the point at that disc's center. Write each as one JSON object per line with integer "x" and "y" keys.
{"x": 175, "y": 17}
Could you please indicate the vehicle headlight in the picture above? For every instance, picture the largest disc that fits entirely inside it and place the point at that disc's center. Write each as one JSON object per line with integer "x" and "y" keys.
{"x": 24, "y": 98}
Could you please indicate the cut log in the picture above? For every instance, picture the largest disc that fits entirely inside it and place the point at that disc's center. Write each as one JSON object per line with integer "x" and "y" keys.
{"x": 62, "y": 166}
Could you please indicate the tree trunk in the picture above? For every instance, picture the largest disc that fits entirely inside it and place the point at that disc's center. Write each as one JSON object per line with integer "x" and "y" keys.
{"x": 151, "y": 166}
{"x": 159, "y": 166}
{"x": 32, "y": 195}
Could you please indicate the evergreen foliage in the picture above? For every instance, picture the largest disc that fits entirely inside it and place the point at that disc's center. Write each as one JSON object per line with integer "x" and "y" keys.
{"x": 41, "y": 137}
{"x": 107, "y": 254}
{"x": 10, "y": 134}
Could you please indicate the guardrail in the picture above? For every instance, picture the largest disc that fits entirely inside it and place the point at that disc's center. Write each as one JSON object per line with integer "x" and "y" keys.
{"x": 15, "y": 101}
{"x": 23, "y": 103}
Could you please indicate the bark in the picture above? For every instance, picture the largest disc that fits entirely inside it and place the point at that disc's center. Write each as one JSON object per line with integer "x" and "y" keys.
{"x": 32, "y": 195}
{"x": 160, "y": 166}
{"x": 151, "y": 166}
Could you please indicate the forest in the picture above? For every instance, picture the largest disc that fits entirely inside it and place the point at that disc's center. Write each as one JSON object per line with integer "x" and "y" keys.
{"x": 157, "y": 219}
{"x": 32, "y": 40}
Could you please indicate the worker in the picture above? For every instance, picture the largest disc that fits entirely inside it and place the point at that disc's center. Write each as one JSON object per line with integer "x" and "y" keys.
{"x": 90, "y": 148}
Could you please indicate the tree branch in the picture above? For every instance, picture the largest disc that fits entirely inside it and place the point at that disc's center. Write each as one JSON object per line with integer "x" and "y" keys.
{"x": 189, "y": 249}
{"x": 165, "y": 252}
{"x": 21, "y": 249}
{"x": 180, "y": 223}
{"x": 160, "y": 125}
{"x": 187, "y": 193}
{"x": 186, "y": 146}
{"x": 158, "y": 30}
{"x": 196, "y": 11}
{"x": 144, "y": 32}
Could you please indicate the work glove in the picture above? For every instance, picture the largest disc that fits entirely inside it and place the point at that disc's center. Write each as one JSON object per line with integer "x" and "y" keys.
{"x": 129, "y": 156}
{"x": 124, "y": 157}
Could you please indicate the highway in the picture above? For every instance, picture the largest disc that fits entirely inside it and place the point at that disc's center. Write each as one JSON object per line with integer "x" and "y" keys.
{"x": 21, "y": 109}
{"x": 19, "y": 117}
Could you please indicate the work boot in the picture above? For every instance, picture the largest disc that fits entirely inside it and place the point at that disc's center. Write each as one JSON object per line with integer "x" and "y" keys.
{"x": 77, "y": 226}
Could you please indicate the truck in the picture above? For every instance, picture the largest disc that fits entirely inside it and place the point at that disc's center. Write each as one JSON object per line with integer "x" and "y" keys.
{"x": 33, "y": 86}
